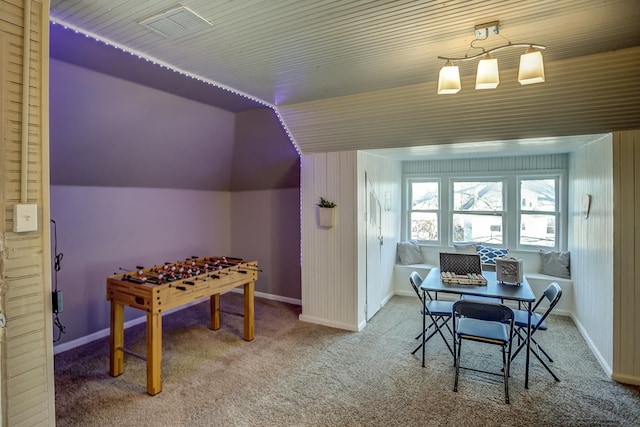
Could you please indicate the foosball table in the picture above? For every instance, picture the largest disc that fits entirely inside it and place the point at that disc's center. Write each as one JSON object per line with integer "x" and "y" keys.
{"x": 160, "y": 288}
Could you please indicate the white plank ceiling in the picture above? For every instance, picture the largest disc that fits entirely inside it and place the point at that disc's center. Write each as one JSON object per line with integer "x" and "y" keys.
{"x": 349, "y": 74}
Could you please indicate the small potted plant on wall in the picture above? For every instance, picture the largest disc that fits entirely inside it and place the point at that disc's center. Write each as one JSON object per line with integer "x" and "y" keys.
{"x": 326, "y": 212}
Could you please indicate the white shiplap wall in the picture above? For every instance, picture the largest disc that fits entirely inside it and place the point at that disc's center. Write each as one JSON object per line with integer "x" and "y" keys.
{"x": 570, "y": 102}
{"x": 490, "y": 164}
{"x": 591, "y": 246}
{"x": 26, "y": 347}
{"x": 329, "y": 255}
{"x": 626, "y": 250}
{"x": 385, "y": 175}
{"x": 334, "y": 259}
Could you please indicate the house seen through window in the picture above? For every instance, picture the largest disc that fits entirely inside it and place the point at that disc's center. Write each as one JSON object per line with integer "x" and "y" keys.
{"x": 507, "y": 211}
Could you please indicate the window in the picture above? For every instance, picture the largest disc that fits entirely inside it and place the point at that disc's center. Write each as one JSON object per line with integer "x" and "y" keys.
{"x": 509, "y": 210}
{"x": 539, "y": 212}
{"x": 425, "y": 210}
{"x": 478, "y": 211}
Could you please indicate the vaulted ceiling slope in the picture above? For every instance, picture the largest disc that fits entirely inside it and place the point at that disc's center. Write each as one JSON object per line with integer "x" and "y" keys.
{"x": 110, "y": 132}
{"x": 119, "y": 121}
{"x": 353, "y": 74}
{"x": 87, "y": 52}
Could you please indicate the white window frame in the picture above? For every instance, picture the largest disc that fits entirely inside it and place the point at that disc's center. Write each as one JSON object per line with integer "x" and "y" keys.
{"x": 511, "y": 199}
{"x": 557, "y": 213}
{"x": 409, "y": 211}
{"x": 502, "y": 214}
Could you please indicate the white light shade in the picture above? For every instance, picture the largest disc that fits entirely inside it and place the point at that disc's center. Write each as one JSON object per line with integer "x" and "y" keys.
{"x": 487, "y": 76}
{"x": 449, "y": 79}
{"x": 531, "y": 67}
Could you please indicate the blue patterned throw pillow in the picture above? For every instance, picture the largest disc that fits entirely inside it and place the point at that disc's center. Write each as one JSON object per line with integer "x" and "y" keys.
{"x": 488, "y": 255}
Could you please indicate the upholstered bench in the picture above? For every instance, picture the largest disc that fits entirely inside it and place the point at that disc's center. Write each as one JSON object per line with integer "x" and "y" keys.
{"x": 401, "y": 277}
{"x": 539, "y": 283}
{"x": 428, "y": 257}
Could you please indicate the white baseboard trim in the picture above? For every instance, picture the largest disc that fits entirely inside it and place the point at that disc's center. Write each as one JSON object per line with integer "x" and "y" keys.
{"x": 386, "y": 299}
{"x": 329, "y": 323}
{"x": 60, "y": 348}
{"x": 272, "y": 297}
{"x": 405, "y": 293}
{"x": 601, "y": 360}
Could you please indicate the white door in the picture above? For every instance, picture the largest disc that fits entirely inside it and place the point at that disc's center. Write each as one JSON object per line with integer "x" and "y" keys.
{"x": 374, "y": 249}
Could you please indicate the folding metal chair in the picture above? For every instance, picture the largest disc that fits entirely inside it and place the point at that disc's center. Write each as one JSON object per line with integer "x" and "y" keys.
{"x": 486, "y": 323}
{"x": 439, "y": 312}
{"x": 552, "y": 293}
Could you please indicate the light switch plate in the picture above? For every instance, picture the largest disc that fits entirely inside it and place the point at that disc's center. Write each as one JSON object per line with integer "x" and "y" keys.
{"x": 25, "y": 217}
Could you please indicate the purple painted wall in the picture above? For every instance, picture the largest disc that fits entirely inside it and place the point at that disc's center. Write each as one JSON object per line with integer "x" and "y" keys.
{"x": 141, "y": 176}
{"x": 266, "y": 228}
{"x": 100, "y": 229}
{"x": 110, "y": 132}
{"x": 263, "y": 157}
{"x": 86, "y": 52}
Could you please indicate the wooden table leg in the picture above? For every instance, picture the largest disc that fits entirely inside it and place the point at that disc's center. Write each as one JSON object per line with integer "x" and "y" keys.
{"x": 116, "y": 339}
{"x": 154, "y": 353}
{"x": 248, "y": 311}
{"x": 214, "y": 302}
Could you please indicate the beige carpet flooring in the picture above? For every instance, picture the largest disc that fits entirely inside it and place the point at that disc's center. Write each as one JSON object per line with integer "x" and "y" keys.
{"x": 300, "y": 374}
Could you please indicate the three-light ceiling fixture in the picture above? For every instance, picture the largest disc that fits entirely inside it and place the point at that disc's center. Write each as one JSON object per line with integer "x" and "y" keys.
{"x": 531, "y": 64}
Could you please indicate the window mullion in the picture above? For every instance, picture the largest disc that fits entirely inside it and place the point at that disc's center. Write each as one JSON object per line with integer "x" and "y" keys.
{"x": 446, "y": 206}
{"x": 512, "y": 216}
{"x": 476, "y": 224}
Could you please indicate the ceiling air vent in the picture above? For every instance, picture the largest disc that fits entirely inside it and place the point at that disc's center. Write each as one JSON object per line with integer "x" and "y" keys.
{"x": 176, "y": 22}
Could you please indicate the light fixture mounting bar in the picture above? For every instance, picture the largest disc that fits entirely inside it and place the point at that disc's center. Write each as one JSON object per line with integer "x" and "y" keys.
{"x": 483, "y": 31}
{"x": 495, "y": 49}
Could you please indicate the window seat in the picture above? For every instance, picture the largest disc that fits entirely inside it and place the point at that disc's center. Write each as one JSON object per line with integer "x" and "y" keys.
{"x": 401, "y": 273}
{"x": 547, "y": 278}
{"x": 412, "y": 267}
{"x": 537, "y": 281}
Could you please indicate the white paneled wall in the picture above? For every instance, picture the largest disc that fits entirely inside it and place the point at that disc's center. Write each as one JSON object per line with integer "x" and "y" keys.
{"x": 626, "y": 250}
{"x": 386, "y": 178}
{"x": 571, "y": 101}
{"x": 329, "y": 255}
{"x": 591, "y": 246}
{"x": 334, "y": 259}
{"x": 489, "y": 164}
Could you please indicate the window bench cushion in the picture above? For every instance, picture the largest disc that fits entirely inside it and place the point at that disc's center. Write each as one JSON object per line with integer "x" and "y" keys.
{"x": 417, "y": 267}
{"x": 409, "y": 252}
{"x": 489, "y": 254}
{"x": 554, "y": 263}
{"x": 537, "y": 281}
{"x": 539, "y": 277}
